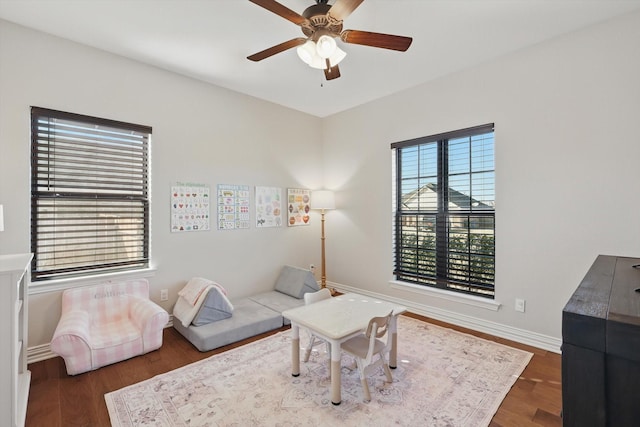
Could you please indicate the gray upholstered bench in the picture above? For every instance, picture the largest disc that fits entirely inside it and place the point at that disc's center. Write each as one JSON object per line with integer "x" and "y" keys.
{"x": 255, "y": 314}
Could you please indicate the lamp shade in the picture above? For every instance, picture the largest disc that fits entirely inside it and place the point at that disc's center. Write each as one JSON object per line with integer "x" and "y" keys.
{"x": 337, "y": 56}
{"x": 326, "y": 46}
{"x": 307, "y": 51}
{"x": 323, "y": 199}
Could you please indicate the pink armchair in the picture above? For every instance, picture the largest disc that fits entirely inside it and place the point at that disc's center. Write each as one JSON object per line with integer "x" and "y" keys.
{"x": 107, "y": 323}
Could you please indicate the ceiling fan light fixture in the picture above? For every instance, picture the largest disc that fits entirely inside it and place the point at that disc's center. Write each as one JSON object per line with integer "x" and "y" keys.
{"x": 321, "y": 63}
{"x": 337, "y": 56}
{"x": 307, "y": 51}
{"x": 318, "y": 62}
{"x": 326, "y": 46}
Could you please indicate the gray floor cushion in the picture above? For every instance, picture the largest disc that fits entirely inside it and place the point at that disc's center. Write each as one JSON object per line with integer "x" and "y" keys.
{"x": 251, "y": 315}
{"x": 215, "y": 307}
{"x": 296, "y": 282}
{"x": 249, "y": 318}
{"x": 277, "y": 301}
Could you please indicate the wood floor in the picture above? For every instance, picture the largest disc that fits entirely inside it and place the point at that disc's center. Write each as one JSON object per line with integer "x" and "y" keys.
{"x": 58, "y": 400}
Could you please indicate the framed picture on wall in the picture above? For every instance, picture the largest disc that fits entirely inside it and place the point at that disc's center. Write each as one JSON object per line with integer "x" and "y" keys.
{"x": 233, "y": 206}
{"x": 268, "y": 207}
{"x": 298, "y": 206}
{"x": 190, "y": 207}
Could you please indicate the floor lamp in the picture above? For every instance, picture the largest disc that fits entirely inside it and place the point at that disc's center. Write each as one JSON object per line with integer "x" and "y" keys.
{"x": 323, "y": 200}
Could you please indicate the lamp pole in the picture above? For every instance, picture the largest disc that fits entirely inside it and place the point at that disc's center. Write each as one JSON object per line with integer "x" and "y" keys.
{"x": 323, "y": 277}
{"x": 323, "y": 200}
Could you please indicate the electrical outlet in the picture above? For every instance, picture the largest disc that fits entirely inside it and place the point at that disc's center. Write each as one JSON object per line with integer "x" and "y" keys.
{"x": 312, "y": 267}
{"x": 164, "y": 294}
{"x": 520, "y": 303}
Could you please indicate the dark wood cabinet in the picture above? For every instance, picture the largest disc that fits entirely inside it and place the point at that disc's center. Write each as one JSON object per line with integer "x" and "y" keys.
{"x": 601, "y": 346}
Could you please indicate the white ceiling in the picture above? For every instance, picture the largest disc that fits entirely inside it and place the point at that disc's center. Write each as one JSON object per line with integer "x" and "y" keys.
{"x": 210, "y": 40}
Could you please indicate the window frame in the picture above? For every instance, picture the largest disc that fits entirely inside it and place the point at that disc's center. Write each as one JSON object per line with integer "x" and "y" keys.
{"x": 439, "y": 250}
{"x": 96, "y": 182}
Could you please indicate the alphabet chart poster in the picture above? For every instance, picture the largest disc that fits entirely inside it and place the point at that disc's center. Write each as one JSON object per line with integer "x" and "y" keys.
{"x": 190, "y": 207}
{"x": 233, "y": 206}
{"x": 268, "y": 207}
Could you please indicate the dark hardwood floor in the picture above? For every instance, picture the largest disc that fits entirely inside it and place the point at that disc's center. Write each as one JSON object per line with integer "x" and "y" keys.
{"x": 59, "y": 400}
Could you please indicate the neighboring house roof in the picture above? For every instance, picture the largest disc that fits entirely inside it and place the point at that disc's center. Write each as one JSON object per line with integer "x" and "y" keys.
{"x": 426, "y": 198}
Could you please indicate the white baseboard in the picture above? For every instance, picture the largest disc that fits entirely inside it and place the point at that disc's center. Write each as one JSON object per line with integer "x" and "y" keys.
{"x": 522, "y": 336}
{"x": 42, "y": 352}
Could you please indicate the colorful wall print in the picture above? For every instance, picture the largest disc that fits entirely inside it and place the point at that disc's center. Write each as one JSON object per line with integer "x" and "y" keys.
{"x": 268, "y": 207}
{"x": 298, "y": 206}
{"x": 190, "y": 207}
{"x": 233, "y": 207}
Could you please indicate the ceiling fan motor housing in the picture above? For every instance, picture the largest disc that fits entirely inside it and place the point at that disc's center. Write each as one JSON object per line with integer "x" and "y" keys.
{"x": 321, "y": 22}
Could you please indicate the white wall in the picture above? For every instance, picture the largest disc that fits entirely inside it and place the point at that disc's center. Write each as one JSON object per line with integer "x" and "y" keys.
{"x": 567, "y": 148}
{"x": 201, "y": 133}
{"x": 567, "y": 168}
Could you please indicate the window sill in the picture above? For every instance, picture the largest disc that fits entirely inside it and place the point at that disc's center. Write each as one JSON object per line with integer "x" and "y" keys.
{"x": 62, "y": 284}
{"x": 474, "y": 301}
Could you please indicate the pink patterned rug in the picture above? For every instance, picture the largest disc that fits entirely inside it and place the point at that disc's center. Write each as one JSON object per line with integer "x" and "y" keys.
{"x": 443, "y": 378}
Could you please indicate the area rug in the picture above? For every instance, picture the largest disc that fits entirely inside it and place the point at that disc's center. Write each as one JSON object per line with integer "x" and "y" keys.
{"x": 443, "y": 378}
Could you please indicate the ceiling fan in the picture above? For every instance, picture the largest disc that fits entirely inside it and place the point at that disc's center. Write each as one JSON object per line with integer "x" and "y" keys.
{"x": 322, "y": 24}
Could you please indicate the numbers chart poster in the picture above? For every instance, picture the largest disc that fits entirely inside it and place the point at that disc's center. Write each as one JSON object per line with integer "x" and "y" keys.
{"x": 190, "y": 207}
{"x": 233, "y": 207}
{"x": 298, "y": 206}
{"x": 268, "y": 207}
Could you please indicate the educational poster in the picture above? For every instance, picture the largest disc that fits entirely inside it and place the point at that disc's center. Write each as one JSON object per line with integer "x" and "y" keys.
{"x": 233, "y": 207}
{"x": 298, "y": 206}
{"x": 268, "y": 207}
{"x": 190, "y": 207}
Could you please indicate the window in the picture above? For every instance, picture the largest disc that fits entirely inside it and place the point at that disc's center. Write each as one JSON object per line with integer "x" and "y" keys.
{"x": 444, "y": 203}
{"x": 89, "y": 195}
